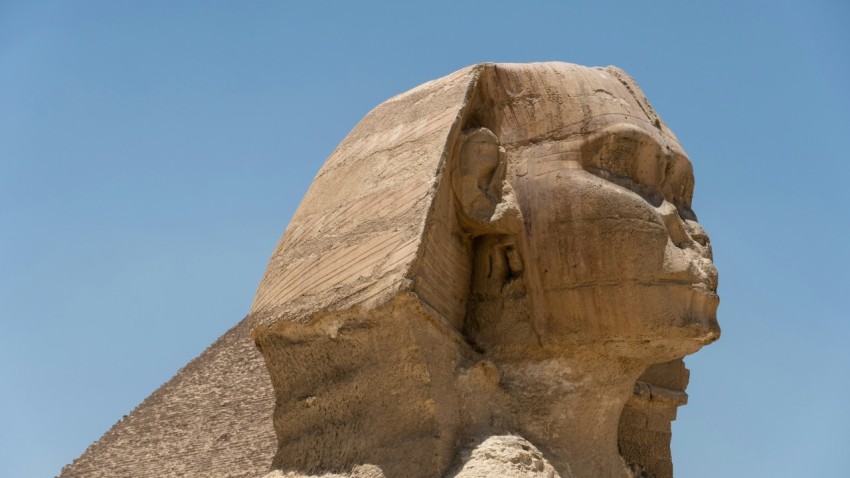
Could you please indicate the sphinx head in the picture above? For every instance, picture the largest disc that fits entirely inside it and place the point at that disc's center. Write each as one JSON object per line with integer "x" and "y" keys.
{"x": 503, "y": 250}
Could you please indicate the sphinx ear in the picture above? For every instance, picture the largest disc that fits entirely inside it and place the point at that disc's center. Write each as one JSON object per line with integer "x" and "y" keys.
{"x": 485, "y": 199}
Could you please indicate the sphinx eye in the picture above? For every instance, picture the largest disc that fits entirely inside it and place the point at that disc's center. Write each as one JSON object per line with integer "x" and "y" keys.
{"x": 700, "y": 239}
{"x": 687, "y": 213}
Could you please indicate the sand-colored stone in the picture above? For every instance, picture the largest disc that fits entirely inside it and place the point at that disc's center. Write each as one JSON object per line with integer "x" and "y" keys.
{"x": 496, "y": 273}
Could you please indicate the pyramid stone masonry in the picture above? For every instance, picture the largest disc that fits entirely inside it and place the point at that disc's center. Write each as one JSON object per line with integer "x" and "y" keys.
{"x": 496, "y": 273}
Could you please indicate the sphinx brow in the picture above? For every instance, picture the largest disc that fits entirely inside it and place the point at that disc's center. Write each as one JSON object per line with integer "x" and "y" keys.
{"x": 639, "y": 136}
{"x": 636, "y": 145}
{"x": 556, "y": 156}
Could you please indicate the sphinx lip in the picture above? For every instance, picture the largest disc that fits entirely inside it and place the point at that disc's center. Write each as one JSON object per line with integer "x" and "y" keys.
{"x": 699, "y": 283}
{"x": 707, "y": 289}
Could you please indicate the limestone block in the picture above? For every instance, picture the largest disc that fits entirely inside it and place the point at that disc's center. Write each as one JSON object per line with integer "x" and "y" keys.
{"x": 506, "y": 456}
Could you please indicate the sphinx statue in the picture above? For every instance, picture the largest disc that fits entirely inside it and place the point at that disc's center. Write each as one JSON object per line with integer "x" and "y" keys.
{"x": 496, "y": 273}
{"x": 492, "y": 259}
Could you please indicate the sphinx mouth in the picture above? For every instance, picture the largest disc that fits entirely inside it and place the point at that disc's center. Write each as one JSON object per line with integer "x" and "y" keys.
{"x": 705, "y": 288}
{"x": 706, "y": 285}
{"x": 704, "y": 281}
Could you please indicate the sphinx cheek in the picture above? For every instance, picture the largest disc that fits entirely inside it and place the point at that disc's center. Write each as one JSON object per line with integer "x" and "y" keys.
{"x": 585, "y": 230}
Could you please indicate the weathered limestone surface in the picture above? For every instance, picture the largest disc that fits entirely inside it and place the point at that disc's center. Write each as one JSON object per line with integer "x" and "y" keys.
{"x": 496, "y": 273}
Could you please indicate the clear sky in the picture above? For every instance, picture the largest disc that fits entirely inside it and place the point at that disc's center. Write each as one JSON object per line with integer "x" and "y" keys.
{"x": 152, "y": 153}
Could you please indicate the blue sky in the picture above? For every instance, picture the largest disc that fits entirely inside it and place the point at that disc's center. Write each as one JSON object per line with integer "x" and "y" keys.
{"x": 152, "y": 153}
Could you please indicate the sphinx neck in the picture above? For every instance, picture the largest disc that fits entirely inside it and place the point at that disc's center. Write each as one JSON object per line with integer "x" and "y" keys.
{"x": 569, "y": 405}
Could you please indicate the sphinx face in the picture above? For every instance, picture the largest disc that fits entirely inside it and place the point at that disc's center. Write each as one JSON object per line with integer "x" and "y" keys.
{"x": 613, "y": 254}
{"x": 617, "y": 256}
